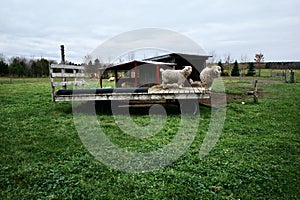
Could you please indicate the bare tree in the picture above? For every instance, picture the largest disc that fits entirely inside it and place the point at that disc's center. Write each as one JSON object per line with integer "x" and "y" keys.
{"x": 213, "y": 57}
{"x": 227, "y": 59}
{"x": 244, "y": 58}
{"x": 131, "y": 55}
{"x": 87, "y": 58}
{"x": 259, "y": 59}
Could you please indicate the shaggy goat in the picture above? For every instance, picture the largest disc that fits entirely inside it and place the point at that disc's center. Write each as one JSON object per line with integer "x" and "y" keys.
{"x": 208, "y": 75}
{"x": 175, "y": 76}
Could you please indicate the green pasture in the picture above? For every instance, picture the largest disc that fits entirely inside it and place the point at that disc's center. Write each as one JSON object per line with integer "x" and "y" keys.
{"x": 271, "y": 74}
{"x": 256, "y": 157}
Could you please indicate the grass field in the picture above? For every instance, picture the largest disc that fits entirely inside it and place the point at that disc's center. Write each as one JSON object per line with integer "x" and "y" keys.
{"x": 256, "y": 157}
{"x": 272, "y": 74}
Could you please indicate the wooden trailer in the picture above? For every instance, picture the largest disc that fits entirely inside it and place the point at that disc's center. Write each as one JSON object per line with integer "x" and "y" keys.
{"x": 67, "y": 84}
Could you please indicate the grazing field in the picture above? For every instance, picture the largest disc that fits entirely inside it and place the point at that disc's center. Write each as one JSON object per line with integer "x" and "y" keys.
{"x": 256, "y": 157}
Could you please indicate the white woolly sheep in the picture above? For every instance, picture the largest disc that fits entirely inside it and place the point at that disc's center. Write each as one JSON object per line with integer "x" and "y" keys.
{"x": 175, "y": 76}
{"x": 208, "y": 75}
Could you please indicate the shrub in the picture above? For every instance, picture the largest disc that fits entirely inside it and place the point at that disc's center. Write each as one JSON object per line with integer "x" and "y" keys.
{"x": 235, "y": 71}
{"x": 251, "y": 70}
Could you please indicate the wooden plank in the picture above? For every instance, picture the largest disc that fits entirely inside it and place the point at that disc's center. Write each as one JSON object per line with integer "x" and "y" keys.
{"x": 74, "y": 73}
{"x": 68, "y": 75}
{"x": 185, "y": 90}
{"x": 64, "y": 79}
{"x": 196, "y": 90}
{"x": 66, "y": 83}
{"x": 129, "y": 96}
{"x": 156, "y": 94}
{"x": 58, "y": 66}
{"x": 159, "y": 91}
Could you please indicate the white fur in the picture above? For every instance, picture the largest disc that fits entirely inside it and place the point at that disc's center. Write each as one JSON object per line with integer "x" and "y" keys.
{"x": 195, "y": 83}
{"x": 208, "y": 75}
{"x": 175, "y": 76}
{"x": 127, "y": 85}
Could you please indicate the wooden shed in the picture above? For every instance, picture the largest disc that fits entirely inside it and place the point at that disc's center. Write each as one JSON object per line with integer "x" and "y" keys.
{"x": 146, "y": 72}
{"x": 138, "y": 73}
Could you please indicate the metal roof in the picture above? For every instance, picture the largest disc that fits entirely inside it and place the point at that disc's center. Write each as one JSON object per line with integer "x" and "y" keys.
{"x": 131, "y": 64}
{"x": 183, "y": 55}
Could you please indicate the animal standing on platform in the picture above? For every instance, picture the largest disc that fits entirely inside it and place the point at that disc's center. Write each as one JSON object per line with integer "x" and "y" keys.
{"x": 175, "y": 76}
{"x": 208, "y": 74}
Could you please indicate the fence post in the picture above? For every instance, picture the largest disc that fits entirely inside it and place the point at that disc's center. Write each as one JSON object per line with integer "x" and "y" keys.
{"x": 292, "y": 76}
{"x": 285, "y": 76}
{"x": 255, "y": 94}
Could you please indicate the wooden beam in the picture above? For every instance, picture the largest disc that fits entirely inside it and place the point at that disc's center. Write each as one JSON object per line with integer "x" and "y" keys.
{"x": 100, "y": 78}
{"x": 135, "y": 74}
{"x": 155, "y": 96}
{"x": 64, "y": 84}
{"x": 116, "y": 77}
{"x": 57, "y": 66}
{"x": 157, "y": 75}
{"x": 64, "y": 79}
{"x": 68, "y": 75}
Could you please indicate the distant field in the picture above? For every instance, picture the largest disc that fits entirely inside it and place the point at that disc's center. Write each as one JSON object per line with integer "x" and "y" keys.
{"x": 257, "y": 156}
{"x": 90, "y": 83}
{"x": 274, "y": 74}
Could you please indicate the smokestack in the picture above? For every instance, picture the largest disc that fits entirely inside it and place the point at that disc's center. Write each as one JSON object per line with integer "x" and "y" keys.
{"x": 62, "y": 49}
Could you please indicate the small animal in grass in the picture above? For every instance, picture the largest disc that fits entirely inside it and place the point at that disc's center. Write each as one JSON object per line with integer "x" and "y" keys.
{"x": 170, "y": 76}
{"x": 208, "y": 74}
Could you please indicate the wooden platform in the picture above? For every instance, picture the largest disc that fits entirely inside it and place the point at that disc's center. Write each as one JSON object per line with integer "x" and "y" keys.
{"x": 151, "y": 95}
{"x": 67, "y": 75}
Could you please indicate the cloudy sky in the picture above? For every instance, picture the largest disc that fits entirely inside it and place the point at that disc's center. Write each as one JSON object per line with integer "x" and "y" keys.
{"x": 35, "y": 28}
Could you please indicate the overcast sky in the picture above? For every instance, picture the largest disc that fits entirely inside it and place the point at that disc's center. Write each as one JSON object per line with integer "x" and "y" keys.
{"x": 36, "y": 28}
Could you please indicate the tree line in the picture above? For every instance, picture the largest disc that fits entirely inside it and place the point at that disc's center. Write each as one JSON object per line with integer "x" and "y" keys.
{"x": 22, "y": 67}
{"x": 236, "y": 71}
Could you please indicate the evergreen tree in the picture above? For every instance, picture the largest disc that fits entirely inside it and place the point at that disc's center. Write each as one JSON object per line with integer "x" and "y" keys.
{"x": 251, "y": 70}
{"x": 222, "y": 68}
{"x": 14, "y": 67}
{"x": 22, "y": 68}
{"x": 235, "y": 71}
{"x": 3, "y": 68}
{"x": 44, "y": 66}
{"x": 34, "y": 69}
{"x": 97, "y": 63}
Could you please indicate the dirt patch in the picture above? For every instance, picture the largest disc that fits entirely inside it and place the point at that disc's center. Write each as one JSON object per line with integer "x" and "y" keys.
{"x": 269, "y": 82}
{"x": 247, "y": 92}
{"x": 218, "y": 99}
